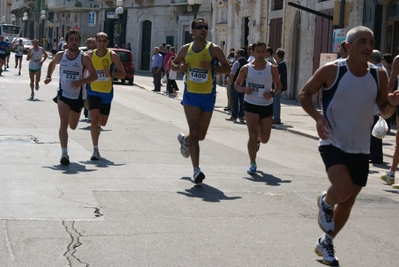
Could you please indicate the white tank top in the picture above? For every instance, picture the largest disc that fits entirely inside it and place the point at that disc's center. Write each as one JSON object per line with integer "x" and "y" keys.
{"x": 19, "y": 50}
{"x": 71, "y": 70}
{"x": 348, "y": 106}
{"x": 261, "y": 81}
{"x": 34, "y": 62}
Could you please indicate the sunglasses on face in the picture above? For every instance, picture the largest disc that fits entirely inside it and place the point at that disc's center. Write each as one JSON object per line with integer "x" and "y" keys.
{"x": 200, "y": 27}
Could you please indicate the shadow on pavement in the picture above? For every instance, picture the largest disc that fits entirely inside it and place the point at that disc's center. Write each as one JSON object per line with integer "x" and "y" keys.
{"x": 72, "y": 168}
{"x": 266, "y": 178}
{"x": 206, "y": 192}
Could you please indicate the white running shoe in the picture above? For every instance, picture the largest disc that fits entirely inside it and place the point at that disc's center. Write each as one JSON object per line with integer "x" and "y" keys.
{"x": 326, "y": 215}
{"x": 96, "y": 154}
{"x": 389, "y": 179}
{"x": 326, "y": 250}
{"x": 183, "y": 147}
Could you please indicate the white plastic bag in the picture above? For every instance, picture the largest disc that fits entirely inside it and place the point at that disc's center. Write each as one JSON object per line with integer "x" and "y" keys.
{"x": 380, "y": 128}
{"x": 164, "y": 79}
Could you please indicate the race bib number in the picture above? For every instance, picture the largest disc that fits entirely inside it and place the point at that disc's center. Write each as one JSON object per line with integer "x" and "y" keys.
{"x": 70, "y": 75}
{"x": 198, "y": 75}
{"x": 258, "y": 89}
{"x": 101, "y": 76}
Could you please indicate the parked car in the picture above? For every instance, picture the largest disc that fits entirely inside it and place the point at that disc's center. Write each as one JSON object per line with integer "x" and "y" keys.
{"x": 126, "y": 58}
{"x": 25, "y": 41}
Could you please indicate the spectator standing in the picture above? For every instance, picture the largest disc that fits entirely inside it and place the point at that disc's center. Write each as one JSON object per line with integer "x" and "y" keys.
{"x": 128, "y": 47}
{"x": 237, "y": 97}
{"x": 376, "y": 154}
{"x": 165, "y": 66}
{"x": 282, "y": 70}
{"x": 45, "y": 43}
{"x": 250, "y": 53}
{"x": 269, "y": 55}
{"x": 156, "y": 66}
{"x": 227, "y": 82}
{"x": 172, "y": 85}
{"x": 389, "y": 177}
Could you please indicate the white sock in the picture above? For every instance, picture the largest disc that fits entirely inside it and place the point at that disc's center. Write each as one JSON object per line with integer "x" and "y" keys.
{"x": 325, "y": 236}
{"x": 95, "y": 147}
{"x": 326, "y": 204}
{"x": 391, "y": 173}
{"x": 64, "y": 150}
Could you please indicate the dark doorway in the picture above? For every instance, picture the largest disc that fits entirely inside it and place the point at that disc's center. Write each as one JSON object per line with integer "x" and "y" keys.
{"x": 246, "y": 31}
{"x": 146, "y": 49}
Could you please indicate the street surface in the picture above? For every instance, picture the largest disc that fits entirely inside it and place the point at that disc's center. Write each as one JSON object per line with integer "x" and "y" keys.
{"x": 138, "y": 205}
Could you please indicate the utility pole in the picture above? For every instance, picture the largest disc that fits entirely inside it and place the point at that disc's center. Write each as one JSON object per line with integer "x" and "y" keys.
{"x": 342, "y": 15}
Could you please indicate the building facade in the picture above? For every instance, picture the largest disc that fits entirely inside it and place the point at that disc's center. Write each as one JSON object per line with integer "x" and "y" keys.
{"x": 303, "y": 34}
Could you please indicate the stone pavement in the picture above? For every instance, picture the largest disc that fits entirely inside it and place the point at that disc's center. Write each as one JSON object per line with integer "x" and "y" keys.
{"x": 294, "y": 118}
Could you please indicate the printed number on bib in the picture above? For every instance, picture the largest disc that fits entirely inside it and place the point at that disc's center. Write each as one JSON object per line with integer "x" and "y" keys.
{"x": 198, "y": 75}
{"x": 101, "y": 76}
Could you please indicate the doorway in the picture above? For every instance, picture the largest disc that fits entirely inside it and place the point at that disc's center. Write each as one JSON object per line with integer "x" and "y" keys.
{"x": 146, "y": 45}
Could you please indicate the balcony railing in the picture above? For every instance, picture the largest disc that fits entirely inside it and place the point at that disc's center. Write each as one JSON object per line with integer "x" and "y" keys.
{"x": 72, "y": 4}
{"x": 178, "y": 2}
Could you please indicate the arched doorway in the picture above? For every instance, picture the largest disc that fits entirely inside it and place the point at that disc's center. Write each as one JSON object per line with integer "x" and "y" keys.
{"x": 146, "y": 45}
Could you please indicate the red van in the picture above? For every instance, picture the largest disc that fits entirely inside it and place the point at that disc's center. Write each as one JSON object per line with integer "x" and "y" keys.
{"x": 127, "y": 62}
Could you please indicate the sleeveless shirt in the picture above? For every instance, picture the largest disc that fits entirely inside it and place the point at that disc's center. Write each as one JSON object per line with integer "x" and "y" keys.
{"x": 103, "y": 84}
{"x": 71, "y": 70}
{"x": 19, "y": 50}
{"x": 348, "y": 107}
{"x": 261, "y": 81}
{"x": 198, "y": 80}
{"x": 34, "y": 62}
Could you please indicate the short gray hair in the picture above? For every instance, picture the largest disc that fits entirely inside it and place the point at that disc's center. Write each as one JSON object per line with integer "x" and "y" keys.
{"x": 352, "y": 34}
{"x": 376, "y": 56}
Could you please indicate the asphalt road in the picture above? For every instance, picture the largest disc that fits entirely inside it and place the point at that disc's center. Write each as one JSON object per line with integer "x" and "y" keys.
{"x": 138, "y": 206}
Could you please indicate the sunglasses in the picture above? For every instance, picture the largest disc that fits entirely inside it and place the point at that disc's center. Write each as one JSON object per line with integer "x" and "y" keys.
{"x": 200, "y": 27}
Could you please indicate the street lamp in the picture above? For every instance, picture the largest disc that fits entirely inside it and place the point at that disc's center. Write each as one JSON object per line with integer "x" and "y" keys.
{"x": 119, "y": 11}
{"x": 13, "y": 19}
{"x": 195, "y": 4}
{"x": 42, "y": 18}
{"x": 25, "y": 19}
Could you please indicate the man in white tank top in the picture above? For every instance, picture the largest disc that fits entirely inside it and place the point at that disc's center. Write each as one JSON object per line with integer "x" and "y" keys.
{"x": 350, "y": 87}
{"x": 36, "y": 56}
{"x": 73, "y": 63}
{"x": 258, "y": 100}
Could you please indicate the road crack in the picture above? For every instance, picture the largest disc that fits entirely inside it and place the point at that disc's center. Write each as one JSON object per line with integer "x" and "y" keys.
{"x": 73, "y": 245}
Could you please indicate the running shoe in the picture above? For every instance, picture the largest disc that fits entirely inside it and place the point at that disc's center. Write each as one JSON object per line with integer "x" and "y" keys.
{"x": 199, "y": 176}
{"x": 389, "y": 179}
{"x": 326, "y": 250}
{"x": 183, "y": 146}
{"x": 32, "y": 95}
{"x": 326, "y": 215}
{"x": 37, "y": 86}
{"x": 19, "y": 73}
{"x": 396, "y": 186}
{"x": 96, "y": 154}
{"x": 252, "y": 168}
{"x": 64, "y": 159}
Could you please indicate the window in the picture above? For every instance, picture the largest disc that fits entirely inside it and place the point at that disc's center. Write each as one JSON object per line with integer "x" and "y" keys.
{"x": 278, "y": 4}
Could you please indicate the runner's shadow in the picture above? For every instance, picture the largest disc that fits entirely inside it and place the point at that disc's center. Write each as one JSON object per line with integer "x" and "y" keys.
{"x": 35, "y": 100}
{"x": 392, "y": 191}
{"x": 71, "y": 168}
{"x": 269, "y": 179}
{"x": 322, "y": 263}
{"x": 206, "y": 192}
{"x": 101, "y": 163}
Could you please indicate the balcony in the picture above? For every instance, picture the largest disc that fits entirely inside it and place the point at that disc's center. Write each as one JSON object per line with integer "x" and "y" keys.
{"x": 178, "y": 2}
{"x": 22, "y": 4}
{"x": 73, "y": 5}
{"x": 56, "y": 5}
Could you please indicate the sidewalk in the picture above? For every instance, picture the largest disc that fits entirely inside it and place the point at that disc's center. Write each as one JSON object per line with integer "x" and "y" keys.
{"x": 294, "y": 118}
